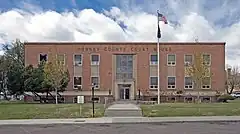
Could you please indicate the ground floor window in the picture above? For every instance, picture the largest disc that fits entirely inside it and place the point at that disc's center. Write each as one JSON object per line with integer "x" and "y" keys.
{"x": 95, "y": 82}
{"x": 206, "y": 83}
{"x": 188, "y": 83}
{"x": 153, "y": 82}
{"x": 77, "y": 82}
{"x": 171, "y": 82}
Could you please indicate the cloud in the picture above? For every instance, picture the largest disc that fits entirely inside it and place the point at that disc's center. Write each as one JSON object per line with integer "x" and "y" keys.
{"x": 129, "y": 22}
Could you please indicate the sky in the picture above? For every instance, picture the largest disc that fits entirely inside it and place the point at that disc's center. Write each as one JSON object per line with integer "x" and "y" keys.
{"x": 122, "y": 20}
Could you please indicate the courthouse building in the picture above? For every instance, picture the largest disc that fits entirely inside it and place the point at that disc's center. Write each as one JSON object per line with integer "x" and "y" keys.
{"x": 125, "y": 70}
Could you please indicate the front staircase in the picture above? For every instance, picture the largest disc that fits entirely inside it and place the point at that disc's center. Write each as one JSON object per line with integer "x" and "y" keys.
{"x": 123, "y": 109}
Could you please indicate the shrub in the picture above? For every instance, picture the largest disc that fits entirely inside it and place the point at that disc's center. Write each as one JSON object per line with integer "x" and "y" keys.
{"x": 225, "y": 98}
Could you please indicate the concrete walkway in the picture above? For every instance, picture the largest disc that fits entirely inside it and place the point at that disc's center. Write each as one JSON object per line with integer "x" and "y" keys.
{"x": 123, "y": 110}
{"x": 122, "y": 120}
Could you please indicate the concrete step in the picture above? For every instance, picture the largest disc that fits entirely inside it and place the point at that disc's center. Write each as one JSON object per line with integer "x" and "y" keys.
{"x": 123, "y": 113}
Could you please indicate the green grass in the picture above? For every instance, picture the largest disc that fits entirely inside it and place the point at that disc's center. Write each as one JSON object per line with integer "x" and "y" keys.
{"x": 19, "y": 110}
{"x": 192, "y": 109}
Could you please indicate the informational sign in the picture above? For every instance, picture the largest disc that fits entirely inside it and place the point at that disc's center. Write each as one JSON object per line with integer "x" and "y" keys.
{"x": 80, "y": 99}
{"x": 124, "y": 49}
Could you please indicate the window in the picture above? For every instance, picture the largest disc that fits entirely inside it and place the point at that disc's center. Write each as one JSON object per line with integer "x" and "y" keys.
{"x": 61, "y": 58}
{"x": 124, "y": 67}
{"x": 77, "y": 82}
{"x": 77, "y": 60}
{"x": 171, "y": 60}
{"x": 206, "y": 82}
{"x": 43, "y": 57}
{"x": 188, "y": 83}
{"x": 153, "y": 59}
{"x": 95, "y": 99}
{"x": 206, "y": 59}
{"x": 95, "y": 82}
{"x": 153, "y": 82}
{"x": 171, "y": 82}
{"x": 94, "y": 59}
{"x": 188, "y": 59}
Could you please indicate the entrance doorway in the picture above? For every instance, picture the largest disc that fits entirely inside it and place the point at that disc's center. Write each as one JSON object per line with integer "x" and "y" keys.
{"x": 124, "y": 92}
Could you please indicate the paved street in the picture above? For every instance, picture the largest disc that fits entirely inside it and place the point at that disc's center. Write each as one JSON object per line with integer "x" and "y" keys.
{"x": 154, "y": 128}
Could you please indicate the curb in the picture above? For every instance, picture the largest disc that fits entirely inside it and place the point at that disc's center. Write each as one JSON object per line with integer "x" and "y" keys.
{"x": 121, "y": 120}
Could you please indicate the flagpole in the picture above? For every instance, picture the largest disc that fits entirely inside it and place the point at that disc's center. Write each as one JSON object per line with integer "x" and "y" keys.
{"x": 158, "y": 63}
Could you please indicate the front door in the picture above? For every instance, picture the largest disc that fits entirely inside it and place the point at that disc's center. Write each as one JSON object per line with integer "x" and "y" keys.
{"x": 124, "y": 93}
{"x": 127, "y": 94}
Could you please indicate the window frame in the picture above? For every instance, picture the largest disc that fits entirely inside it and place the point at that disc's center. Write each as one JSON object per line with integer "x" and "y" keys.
{"x": 77, "y": 85}
{"x": 150, "y": 59}
{"x": 171, "y": 63}
{"x": 39, "y": 56}
{"x": 210, "y": 59}
{"x": 64, "y": 58}
{"x": 187, "y": 63}
{"x": 150, "y": 84}
{"x": 74, "y": 61}
{"x": 188, "y": 86}
{"x": 95, "y": 86}
{"x": 95, "y": 62}
{"x": 171, "y": 86}
{"x": 206, "y": 86}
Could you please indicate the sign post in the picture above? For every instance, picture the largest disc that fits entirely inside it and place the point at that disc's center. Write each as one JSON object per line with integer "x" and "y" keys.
{"x": 80, "y": 101}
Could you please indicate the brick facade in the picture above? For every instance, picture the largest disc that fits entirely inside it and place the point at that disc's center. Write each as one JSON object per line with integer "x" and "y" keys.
{"x": 142, "y": 69}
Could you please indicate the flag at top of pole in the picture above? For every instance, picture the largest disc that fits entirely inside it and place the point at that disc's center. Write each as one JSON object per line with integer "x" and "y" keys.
{"x": 161, "y": 17}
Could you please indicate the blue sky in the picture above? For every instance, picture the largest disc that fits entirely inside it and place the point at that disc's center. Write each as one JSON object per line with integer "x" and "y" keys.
{"x": 122, "y": 20}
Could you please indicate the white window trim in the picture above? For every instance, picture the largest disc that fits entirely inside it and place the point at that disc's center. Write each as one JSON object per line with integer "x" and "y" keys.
{"x": 95, "y": 63}
{"x": 188, "y": 86}
{"x": 207, "y": 86}
{"x": 153, "y": 62}
{"x": 210, "y": 58}
{"x": 76, "y": 64}
{"x": 77, "y": 85}
{"x": 96, "y": 86}
{"x": 171, "y": 86}
{"x": 171, "y": 62}
{"x": 64, "y": 58}
{"x": 187, "y": 63}
{"x": 153, "y": 86}
{"x": 39, "y": 57}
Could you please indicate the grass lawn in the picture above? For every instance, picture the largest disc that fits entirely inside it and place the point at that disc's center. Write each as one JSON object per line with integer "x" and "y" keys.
{"x": 45, "y": 111}
{"x": 191, "y": 109}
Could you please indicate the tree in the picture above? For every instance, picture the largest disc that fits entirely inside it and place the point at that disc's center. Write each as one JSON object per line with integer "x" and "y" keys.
{"x": 233, "y": 79}
{"x": 55, "y": 73}
{"x": 198, "y": 71}
{"x": 13, "y": 67}
{"x": 3, "y": 77}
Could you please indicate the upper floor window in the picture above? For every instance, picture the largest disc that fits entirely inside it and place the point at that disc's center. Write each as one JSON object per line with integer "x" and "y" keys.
{"x": 153, "y": 59}
{"x": 78, "y": 60}
{"x": 171, "y": 60}
{"x": 207, "y": 59}
{"x": 188, "y": 59}
{"x": 43, "y": 57}
{"x": 95, "y": 59}
{"x": 61, "y": 58}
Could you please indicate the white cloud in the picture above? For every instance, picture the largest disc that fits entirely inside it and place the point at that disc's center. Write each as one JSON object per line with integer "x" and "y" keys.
{"x": 139, "y": 25}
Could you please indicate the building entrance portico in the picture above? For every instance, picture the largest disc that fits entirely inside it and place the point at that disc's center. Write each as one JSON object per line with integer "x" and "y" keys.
{"x": 124, "y": 91}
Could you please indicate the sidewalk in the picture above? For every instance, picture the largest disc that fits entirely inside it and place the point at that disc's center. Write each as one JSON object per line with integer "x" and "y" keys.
{"x": 122, "y": 120}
